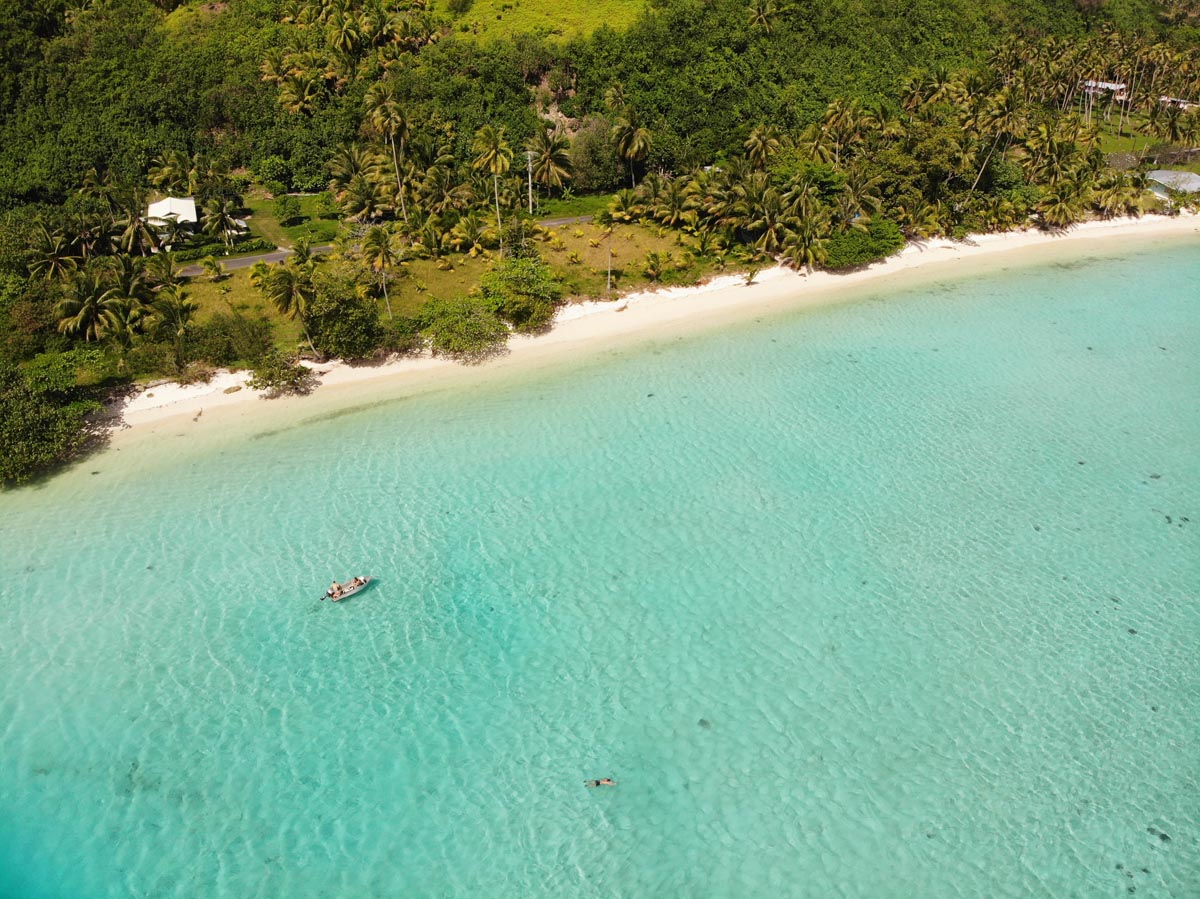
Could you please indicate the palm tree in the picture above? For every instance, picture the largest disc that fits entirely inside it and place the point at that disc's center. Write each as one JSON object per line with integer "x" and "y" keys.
{"x": 290, "y": 289}
{"x": 442, "y": 192}
{"x": 804, "y": 247}
{"x": 470, "y": 234}
{"x": 551, "y": 158}
{"x": 259, "y": 272}
{"x": 171, "y": 231}
{"x": 343, "y": 35}
{"x": 163, "y": 271}
{"x": 921, "y": 220}
{"x": 125, "y": 320}
{"x": 863, "y": 190}
{"x": 656, "y": 265}
{"x": 170, "y": 316}
{"x": 671, "y": 205}
{"x": 303, "y": 257}
{"x": 212, "y": 268}
{"x": 761, "y": 145}
{"x": 377, "y": 253}
{"x": 604, "y": 219}
{"x": 349, "y": 162}
{"x": 817, "y": 143}
{"x": 633, "y": 141}
{"x": 494, "y": 155}
{"x": 1063, "y": 205}
{"x": 803, "y": 197}
{"x": 127, "y": 278}
{"x": 208, "y": 178}
{"x": 763, "y": 213}
{"x": 52, "y": 256}
{"x": 363, "y": 199}
{"x": 298, "y": 92}
{"x": 169, "y": 171}
{"x": 614, "y": 99}
{"x": 134, "y": 233}
{"x": 89, "y": 308}
{"x": 762, "y": 13}
{"x": 625, "y": 207}
{"x": 274, "y": 67}
{"x": 100, "y": 188}
{"x": 843, "y": 125}
{"x": 219, "y": 220}
{"x": 386, "y": 116}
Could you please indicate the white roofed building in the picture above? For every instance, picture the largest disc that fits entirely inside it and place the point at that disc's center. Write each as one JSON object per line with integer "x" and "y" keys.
{"x": 1164, "y": 181}
{"x": 181, "y": 209}
{"x": 1185, "y": 105}
{"x": 1116, "y": 88}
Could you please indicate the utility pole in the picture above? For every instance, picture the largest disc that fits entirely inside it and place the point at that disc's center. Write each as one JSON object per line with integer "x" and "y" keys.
{"x": 529, "y": 173}
{"x": 608, "y": 289}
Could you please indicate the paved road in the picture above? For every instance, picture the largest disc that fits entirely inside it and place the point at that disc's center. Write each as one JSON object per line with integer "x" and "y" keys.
{"x": 247, "y": 261}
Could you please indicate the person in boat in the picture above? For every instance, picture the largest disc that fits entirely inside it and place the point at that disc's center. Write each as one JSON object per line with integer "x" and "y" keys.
{"x": 358, "y": 582}
{"x": 334, "y": 591}
{"x": 602, "y": 782}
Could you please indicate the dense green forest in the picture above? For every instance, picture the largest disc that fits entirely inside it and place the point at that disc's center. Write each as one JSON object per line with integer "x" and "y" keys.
{"x": 715, "y": 133}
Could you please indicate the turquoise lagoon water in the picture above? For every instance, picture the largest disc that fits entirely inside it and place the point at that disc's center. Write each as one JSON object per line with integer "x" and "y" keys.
{"x": 894, "y": 598}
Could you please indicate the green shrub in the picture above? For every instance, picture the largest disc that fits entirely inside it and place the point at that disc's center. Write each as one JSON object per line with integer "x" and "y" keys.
{"x": 523, "y": 291}
{"x": 594, "y": 163}
{"x": 327, "y": 205}
{"x": 278, "y": 374}
{"x": 147, "y": 359}
{"x": 216, "y": 248}
{"x": 42, "y": 423}
{"x": 464, "y": 328}
{"x": 226, "y": 339}
{"x": 287, "y": 209}
{"x": 855, "y": 248}
{"x": 402, "y": 335}
{"x": 341, "y": 321}
{"x": 273, "y": 168}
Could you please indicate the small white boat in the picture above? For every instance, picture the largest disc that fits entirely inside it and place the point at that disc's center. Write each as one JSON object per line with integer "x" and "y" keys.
{"x": 348, "y": 589}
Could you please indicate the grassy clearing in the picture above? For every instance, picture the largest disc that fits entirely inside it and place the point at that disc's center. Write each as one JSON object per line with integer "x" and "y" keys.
{"x": 577, "y": 253}
{"x": 421, "y": 279}
{"x": 311, "y": 226}
{"x": 565, "y": 18}
{"x": 574, "y": 206}
{"x": 234, "y": 294}
{"x": 1128, "y": 143}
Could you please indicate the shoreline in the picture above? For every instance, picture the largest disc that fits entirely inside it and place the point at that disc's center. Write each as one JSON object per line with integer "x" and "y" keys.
{"x": 592, "y": 325}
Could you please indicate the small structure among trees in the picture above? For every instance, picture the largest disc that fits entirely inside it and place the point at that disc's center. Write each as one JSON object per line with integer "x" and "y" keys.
{"x": 1167, "y": 184}
{"x": 182, "y": 210}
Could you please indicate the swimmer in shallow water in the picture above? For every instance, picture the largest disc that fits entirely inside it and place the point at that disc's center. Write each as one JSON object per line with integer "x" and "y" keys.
{"x": 602, "y": 782}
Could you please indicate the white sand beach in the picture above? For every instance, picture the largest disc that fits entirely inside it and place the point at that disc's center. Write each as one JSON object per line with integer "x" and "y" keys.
{"x": 585, "y": 326}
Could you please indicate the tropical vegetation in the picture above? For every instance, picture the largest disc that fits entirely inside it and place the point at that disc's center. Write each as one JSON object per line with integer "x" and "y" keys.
{"x": 697, "y": 137}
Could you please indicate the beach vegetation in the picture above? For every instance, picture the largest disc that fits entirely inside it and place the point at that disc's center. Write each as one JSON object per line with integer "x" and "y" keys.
{"x": 43, "y": 415}
{"x": 466, "y": 328}
{"x": 697, "y": 137}
{"x": 278, "y": 374}
{"x": 342, "y": 319}
{"x": 855, "y": 247}
{"x": 523, "y": 291}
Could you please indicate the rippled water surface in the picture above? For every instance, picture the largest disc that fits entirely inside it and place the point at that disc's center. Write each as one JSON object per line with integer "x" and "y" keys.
{"x": 890, "y": 599}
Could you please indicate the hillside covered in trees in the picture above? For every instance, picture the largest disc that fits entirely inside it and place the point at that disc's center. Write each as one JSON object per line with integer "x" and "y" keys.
{"x": 705, "y": 133}
{"x": 110, "y": 85}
